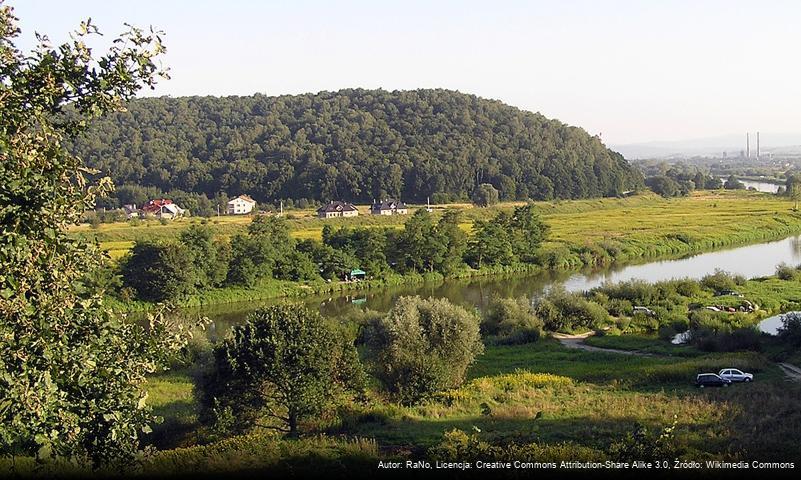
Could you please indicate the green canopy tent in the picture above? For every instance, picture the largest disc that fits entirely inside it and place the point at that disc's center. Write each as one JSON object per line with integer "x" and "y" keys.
{"x": 357, "y": 274}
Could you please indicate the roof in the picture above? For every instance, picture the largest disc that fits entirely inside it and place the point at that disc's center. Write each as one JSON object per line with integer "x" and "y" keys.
{"x": 388, "y": 205}
{"x": 357, "y": 271}
{"x": 243, "y": 197}
{"x": 156, "y": 205}
{"x": 337, "y": 206}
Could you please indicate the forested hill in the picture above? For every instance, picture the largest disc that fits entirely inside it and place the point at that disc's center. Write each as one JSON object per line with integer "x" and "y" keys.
{"x": 354, "y": 145}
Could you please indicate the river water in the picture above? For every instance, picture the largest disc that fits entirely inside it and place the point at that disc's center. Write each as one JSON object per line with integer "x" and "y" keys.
{"x": 758, "y": 186}
{"x": 750, "y": 261}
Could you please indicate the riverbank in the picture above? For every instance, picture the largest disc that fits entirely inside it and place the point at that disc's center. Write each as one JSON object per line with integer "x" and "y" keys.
{"x": 584, "y": 233}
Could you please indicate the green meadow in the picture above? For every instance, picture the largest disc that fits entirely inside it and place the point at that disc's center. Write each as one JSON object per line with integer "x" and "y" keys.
{"x": 568, "y": 402}
{"x": 646, "y": 223}
{"x": 591, "y": 232}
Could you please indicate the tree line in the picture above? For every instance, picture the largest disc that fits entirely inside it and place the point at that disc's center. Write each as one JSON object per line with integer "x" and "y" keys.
{"x": 159, "y": 270}
{"x": 354, "y": 144}
{"x": 677, "y": 182}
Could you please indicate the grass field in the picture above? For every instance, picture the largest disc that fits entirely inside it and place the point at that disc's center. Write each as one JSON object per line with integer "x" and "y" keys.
{"x": 645, "y": 224}
{"x": 642, "y": 343}
{"x": 591, "y": 232}
{"x": 548, "y": 394}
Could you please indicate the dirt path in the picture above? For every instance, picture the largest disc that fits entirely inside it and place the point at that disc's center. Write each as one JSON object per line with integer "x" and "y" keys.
{"x": 577, "y": 342}
{"x": 792, "y": 372}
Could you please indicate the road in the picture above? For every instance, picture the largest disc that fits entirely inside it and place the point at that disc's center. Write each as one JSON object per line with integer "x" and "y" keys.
{"x": 793, "y": 372}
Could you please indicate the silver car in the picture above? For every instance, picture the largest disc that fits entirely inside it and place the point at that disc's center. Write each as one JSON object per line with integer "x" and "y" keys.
{"x": 734, "y": 375}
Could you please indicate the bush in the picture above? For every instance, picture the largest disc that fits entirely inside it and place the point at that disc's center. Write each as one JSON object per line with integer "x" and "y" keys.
{"x": 641, "y": 322}
{"x": 560, "y": 310}
{"x": 666, "y": 333}
{"x": 159, "y": 271}
{"x": 283, "y": 366}
{"x": 619, "y": 307}
{"x": 638, "y": 292}
{"x": 423, "y": 346}
{"x": 485, "y": 195}
{"x": 641, "y": 443}
{"x": 790, "y": 331}
{"x": 720, "y": 281}
{"x": 740, "y": 339}
{"x": 512, "y": 321}
{"x": 786, "y": 272}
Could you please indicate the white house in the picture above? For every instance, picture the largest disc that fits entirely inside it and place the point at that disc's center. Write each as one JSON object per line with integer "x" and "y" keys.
{"x": 389, "y": 207}
{"x": 337, "y": 209}
{"x": 241, "y": 205}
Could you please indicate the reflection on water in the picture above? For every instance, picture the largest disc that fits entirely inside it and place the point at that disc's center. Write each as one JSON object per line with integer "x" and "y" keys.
{"x": 760, "y": 186}
{"x": 750, "y": 261}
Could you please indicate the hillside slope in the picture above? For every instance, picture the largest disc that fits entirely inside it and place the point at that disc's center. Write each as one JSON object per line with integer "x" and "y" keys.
{"x": 355, "y": 145}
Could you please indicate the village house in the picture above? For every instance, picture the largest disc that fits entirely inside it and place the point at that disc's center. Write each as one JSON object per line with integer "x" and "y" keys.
{"x": 131, "y": 211}
{"x": 337, "y": 209}
{"x": 241, "y": 205}
{"x": 389, "y": 207}
{"x": 162, "y": 208}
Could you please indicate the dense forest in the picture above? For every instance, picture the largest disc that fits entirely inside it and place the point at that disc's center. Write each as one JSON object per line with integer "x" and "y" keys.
{"x": 355, "y": 145}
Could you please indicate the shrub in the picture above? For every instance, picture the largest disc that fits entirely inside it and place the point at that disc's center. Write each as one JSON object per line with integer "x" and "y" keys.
{"x": 638, "y": 292}
{"x": 719, "y": 281}
{"x": 667, "y": 333}
{"x": 513, "y": 321}
{"x": 485, "y": 195}
{"x": 159, "y": 271}
{"x": 619, "y": 307}
{"x": 560, "y": 310}
{"x": 790, "y": 331}
{"x": 642, "y": 322}
{"x": 641, "y": 443}
{"x": 740, "y": 339}
{"x": 284, "y": 365}
{"x": 423, "y": 346}
{"x": 786, "y": 272}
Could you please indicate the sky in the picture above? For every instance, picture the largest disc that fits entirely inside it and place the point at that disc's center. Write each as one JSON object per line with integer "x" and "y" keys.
{"x": 631, "y": 71}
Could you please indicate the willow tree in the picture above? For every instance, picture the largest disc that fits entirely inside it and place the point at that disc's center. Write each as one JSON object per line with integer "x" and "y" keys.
{"x": 71, "y": 372}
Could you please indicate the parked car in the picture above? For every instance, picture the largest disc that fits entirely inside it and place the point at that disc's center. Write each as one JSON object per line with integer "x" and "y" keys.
{"x": 732, "y": 293}
{"x": 645, "y": 310}
{"x": 711, "y": 380}
{"x": 734, "y": 375}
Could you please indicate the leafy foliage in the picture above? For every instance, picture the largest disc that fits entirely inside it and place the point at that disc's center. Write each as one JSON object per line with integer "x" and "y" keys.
{"x": 71, "y": 372}
{"x": 485, "y": 195}
{"x": 423, "y": 346}
{"x": 354, "y": 145}
{"x": 283, "y": 366}
{"x": 512, "y": 321}
{"x": 159, "y": 271}
{"x": 507, "y": 239}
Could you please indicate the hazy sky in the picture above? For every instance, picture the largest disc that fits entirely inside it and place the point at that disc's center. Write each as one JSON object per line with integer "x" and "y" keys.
{"x": 631, "y": 70}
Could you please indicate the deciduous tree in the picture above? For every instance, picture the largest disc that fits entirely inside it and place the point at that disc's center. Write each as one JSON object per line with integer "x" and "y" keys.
{"x": 72, "y": 373}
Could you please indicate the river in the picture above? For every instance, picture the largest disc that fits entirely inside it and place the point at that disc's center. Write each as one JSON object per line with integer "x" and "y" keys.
{"x": 750, "y": 261}
{"x": 758, "y": 186}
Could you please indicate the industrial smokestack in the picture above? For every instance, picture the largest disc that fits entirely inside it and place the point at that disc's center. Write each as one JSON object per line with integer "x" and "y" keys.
{"x": 748, "y": 145}
{"x": 757, "y": 145}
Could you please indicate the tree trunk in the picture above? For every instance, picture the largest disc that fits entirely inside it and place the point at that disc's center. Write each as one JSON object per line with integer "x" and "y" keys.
{"x": 293, "y": 424}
